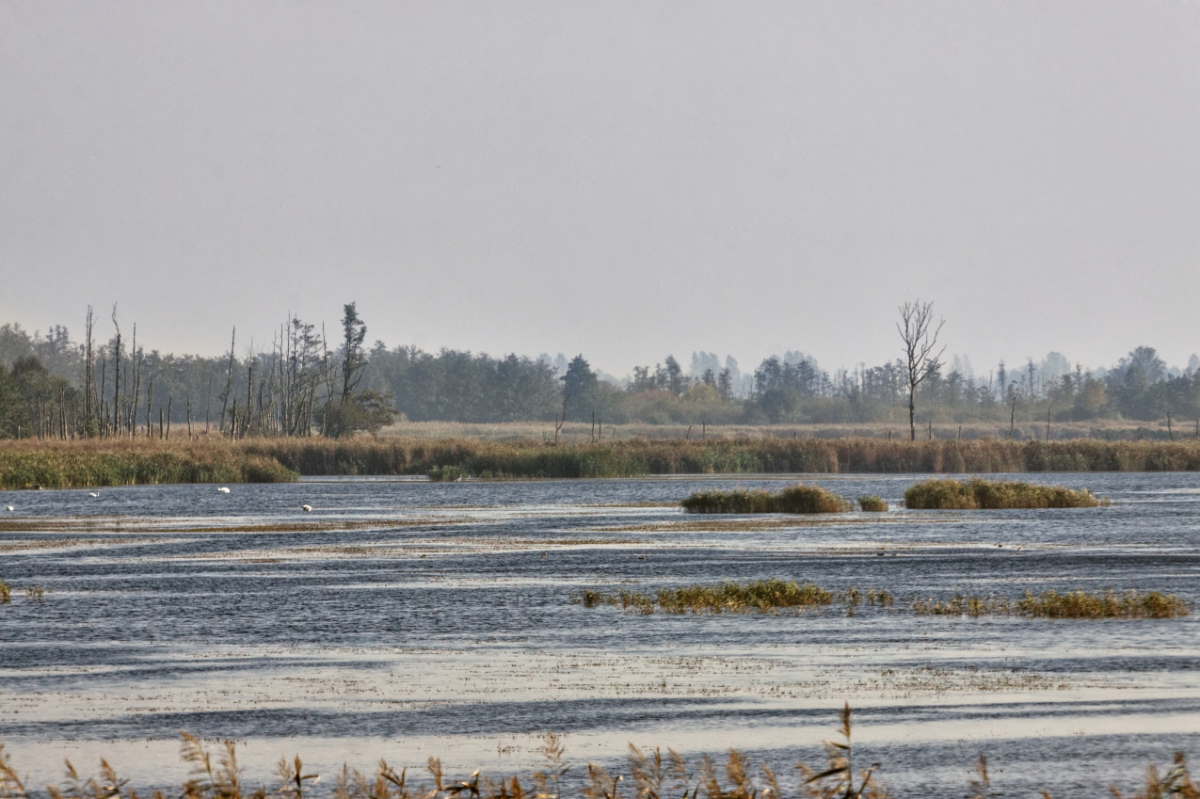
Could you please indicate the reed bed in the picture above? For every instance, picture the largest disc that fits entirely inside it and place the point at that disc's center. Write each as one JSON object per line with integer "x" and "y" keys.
{"x": 415, "y": 456}
{"x": 795, "y": 499}
{"x": 93, "y": 463}
{"x": 1068, "y": 605}
{"x": 60, "y": 464}
{"x": 994, "y": 494}
{"x": 645, "y": 775}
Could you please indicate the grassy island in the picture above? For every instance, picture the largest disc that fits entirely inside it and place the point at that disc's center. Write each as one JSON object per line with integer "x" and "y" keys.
{"x": 994, "y": 494}
{"x": 796, "y": 499}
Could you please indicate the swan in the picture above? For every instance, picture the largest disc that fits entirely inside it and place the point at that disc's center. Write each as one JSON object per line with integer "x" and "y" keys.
{"x": 9, "y": 508}
{"x": 93, "y": 493}
{"x": 306, "y": 508}
{"x": 223, "y": 490}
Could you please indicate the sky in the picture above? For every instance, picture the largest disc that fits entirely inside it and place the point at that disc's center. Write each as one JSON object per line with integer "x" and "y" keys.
{"x": 620, "y": 179}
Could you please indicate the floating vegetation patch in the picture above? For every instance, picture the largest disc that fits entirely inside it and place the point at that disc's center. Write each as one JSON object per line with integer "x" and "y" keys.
{"x": 770, "y": 596}
{"x": 995, "y": 495}
{"x": 1068, "y": 605}
{"x": 796, "y": 499}
{"x": 761, "y": 596}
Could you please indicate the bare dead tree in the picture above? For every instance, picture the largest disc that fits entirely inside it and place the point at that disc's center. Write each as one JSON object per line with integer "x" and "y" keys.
{"x": 149, "y": 402}
{"x": 116, "y": 349}
{"x": 225, "y": 395}
{"x": 89, "y": 376}
{"x": 922, "y": 358}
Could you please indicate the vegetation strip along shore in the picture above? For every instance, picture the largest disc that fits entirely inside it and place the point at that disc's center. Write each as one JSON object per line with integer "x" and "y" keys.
{"x": 107, "y": 462}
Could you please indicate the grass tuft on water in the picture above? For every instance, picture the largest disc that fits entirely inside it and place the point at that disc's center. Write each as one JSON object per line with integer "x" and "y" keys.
{"x": 769, "y": 596}
{"x": 796, "y": 499}
{"x": 873, "y": 503}
{"x": 1068, "y": 605}
{"x": 761, "y": 596}
{"x": 994, "y": 494}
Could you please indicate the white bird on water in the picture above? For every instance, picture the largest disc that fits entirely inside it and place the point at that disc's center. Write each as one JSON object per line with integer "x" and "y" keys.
{"x": 223, "y": 490}
{"x": 93, "y": 493}
{"x": 9, "y": 508}
{"x": 307, "y": 508}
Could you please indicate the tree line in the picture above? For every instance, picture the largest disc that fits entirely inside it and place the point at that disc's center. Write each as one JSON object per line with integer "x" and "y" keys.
{"x": 306, "y": 384}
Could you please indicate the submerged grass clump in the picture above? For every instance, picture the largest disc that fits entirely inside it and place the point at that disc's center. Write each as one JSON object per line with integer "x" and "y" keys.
{"x": 731, "y": 597}
{"x": 5, "y": 593}
{"x": 872, "y": 503}
{"x": 796, "y": 499}
{"x": 1068, "y": 605}
{"x": 769, "y": 596}
{"x": 995, "y": 494}
{"x": 761, "y": 596}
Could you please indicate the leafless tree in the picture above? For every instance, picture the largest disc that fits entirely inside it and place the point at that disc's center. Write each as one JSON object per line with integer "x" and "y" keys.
{"x": 920, "y": 342}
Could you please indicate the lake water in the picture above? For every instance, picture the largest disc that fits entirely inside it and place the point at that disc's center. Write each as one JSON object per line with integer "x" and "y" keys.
{"x": 404, "y": 619}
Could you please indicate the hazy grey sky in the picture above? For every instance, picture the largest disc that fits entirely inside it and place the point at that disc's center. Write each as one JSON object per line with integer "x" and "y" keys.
{"x": 622, "y": 179}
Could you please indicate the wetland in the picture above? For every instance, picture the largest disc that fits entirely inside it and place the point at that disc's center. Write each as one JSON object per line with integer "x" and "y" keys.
{"x": 404, "y": 619}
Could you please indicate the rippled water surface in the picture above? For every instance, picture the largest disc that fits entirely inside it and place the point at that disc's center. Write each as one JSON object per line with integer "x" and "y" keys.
{"x": 404, "y": 619}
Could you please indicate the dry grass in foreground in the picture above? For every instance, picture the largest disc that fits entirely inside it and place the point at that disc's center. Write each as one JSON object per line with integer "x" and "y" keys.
{"x": 645, "y": 776}
{"x": 994, "y": 495}
{"x": 796, "y": 499}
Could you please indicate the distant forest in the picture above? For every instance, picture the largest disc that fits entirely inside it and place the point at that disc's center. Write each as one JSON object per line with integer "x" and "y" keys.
{"x": 52, "y": 385}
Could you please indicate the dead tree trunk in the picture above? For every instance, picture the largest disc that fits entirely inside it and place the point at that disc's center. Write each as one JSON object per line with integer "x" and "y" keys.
{"x": 228, "y": 380}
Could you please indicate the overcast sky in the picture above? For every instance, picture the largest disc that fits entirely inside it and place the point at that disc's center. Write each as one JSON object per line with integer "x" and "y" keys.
{"x": 621, "y": 179}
